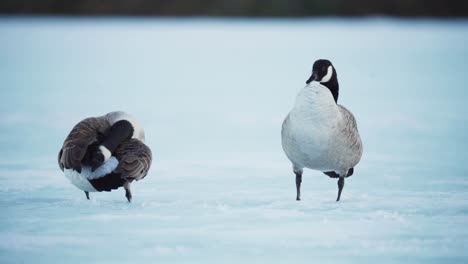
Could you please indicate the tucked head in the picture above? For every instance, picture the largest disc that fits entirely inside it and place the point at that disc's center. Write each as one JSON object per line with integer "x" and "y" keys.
{"x": 322, "y": 72}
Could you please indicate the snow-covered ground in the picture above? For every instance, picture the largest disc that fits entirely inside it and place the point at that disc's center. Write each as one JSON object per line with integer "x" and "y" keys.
{"x": 212, "y": 95}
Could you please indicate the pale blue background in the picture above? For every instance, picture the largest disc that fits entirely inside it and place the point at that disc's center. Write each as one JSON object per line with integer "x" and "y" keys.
{"x": 212, "y": 95}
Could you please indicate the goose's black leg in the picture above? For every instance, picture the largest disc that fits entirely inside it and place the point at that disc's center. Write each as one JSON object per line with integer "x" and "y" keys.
{"x": 340, "y": 187}
{"x": 298, "y": 184}
{"x": 87, "y": 195}
{"x": 128, "y": 193}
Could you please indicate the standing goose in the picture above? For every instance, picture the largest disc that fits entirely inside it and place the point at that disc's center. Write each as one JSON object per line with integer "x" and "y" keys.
{"x": 104, "y": 153}
{"x": 320, "y": 134}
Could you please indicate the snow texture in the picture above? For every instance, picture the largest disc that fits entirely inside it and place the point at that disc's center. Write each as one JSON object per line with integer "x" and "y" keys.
{"x": 211, "y": 95}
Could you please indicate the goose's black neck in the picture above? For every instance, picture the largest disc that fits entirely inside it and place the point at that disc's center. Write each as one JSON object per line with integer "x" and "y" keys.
{"x": 333, "y": 86}
{"x": 119, "y": 131}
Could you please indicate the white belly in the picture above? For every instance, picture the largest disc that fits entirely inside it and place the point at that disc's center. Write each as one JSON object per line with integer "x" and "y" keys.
{"x": 308, "y": 145}
{"x": 81, "y": 180}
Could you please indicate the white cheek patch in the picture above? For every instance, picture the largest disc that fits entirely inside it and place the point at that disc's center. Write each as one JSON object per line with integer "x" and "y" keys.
{"x": 107, "y": 154}
{"x": 327, "y": 77}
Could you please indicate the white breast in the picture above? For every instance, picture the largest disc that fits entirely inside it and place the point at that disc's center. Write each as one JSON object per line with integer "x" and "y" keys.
{"x": 310, "y": 127}
{"x": 81, "y": 180}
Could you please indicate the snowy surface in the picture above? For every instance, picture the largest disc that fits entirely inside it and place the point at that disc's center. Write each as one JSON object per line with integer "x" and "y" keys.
{"x": 212, "y": 95}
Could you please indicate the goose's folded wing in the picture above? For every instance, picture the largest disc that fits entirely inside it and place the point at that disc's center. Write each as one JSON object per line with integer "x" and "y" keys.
{"x": 134, "y": 159}
{"x": 59, "y": 159}
{"x": 350, "y": 131}
{"x": 76, "y": 144}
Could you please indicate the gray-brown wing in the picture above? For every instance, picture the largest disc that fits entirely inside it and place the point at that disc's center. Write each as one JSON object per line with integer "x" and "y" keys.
{"x": 134, "y": 159}
{"x": 82, "y": 135}
{"x": 59, "y": 159}
{"x": 350, "y": 133}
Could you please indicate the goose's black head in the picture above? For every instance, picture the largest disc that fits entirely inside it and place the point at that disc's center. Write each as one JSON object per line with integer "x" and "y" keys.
{"x": 324, "y": 72}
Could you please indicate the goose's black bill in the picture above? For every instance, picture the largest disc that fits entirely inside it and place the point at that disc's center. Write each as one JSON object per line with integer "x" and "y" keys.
{"x": 313, "y": 77}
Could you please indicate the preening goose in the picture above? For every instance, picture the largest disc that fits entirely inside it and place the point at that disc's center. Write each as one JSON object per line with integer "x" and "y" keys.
{"x": 320, "y": 134}
{"x": 104, "y": 153}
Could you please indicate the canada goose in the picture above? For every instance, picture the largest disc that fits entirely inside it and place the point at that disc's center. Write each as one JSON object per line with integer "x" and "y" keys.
{"x": 320, "y": 134}
{"x": 104, "y": 153}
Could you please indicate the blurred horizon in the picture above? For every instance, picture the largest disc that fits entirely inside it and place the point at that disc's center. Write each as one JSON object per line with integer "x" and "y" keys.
{"x": 243, "y": 8}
